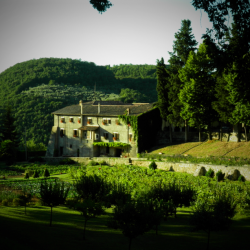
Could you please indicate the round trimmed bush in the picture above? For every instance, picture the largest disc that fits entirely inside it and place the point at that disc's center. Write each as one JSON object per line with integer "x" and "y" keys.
{"x": 152, "y": 165}
{"x": 36, "y": 175}
{"x": 27, "y": 176}
{"x": 5, "y": 202}
{"x": 210, "y": 173}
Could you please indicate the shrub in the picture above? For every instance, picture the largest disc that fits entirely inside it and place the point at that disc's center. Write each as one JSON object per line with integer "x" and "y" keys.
{"x": 93, "y": 163}
{"x": 158, "y": 157}
{"x": 16, "y": 202}
{"x": 66, "y": 161}
{"x": 36, "y": 159}
{"x": 26, "y": 176}
{"x": 46, "y": 173}
{"x": 241, "y": 178}
{"x": 220, "y": 176}
{"x": 152, "y": 165}
{"x": 36, "y": 175}
{"x": 236, "y": 175}
{"x": 138, "y": 155}
{"x": 210, "y": 173}
{"x": 5, "y": 202}
{"x": 103, "y": 162}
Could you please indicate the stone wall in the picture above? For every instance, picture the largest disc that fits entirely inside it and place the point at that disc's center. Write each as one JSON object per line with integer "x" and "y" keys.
{"x": 189, "y": 168}
{"x": 194, "y": 169}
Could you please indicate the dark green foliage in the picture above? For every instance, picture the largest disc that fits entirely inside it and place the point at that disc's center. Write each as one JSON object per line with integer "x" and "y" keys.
{"x": 101, "y": 5}
{"x": 210, "y": 173}
{"x": 53, "y": 194}
{"x": 67, "y": 161}
{"x": 162, "y": 88}
{"x": 92, "y": 187}
{"x": 27, "y": 176}
{"x": 119, "y": 195}
{"x": 46, "y": 173}
{"x": 213, "y": 216}
{"x": 241, "y": 178}
{"x": 132, "y": 218}
{"x": 131, "y": 95}
{"x": 89, "y": 209}
{"x": 36, "y": 159}
{"x": 183, "y": 44}
{"x": 24, "y": 199}
{"x": 220, "y": 176}
{"x": 36, "y": 174}
{"x": 152, "y": 165}
{"x": 93, "y": 163}
{"x": 8, "y": 127}
{"x": 7, "y": 150}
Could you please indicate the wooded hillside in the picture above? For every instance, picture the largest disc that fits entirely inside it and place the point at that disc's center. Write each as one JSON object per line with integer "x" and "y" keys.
{"x": 36, "y": 88}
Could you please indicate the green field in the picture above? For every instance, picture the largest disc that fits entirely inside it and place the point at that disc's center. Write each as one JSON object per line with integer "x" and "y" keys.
{"x": 32, "y": 231}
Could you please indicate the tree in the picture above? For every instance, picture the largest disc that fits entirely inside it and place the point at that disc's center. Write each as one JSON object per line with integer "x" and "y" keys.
{"x": 162, "y": 91}
{"x": 213, "y": 215}
{"x": 53, "y": 194}
{"x": 130, "y": 95}
{"x": 89, "y": 209}
{"x": 7, "y": 150}
{"x": 217, "y": 11}
{"x": 183, "y": 44}
{"x": 101, "y": 5}
{"x": 92, "y": 187}
{"x": 239, "y": 91}
{"x": 9, "y": 131}
{"x": 132, "y": 218}
{"x": 197, "y": 94}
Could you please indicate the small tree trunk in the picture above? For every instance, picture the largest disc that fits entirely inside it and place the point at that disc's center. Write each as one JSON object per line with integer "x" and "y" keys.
{"x": 208, "y": 239}
{"x": 130, "y": 241}
{"x": 220, "y": 133}
{"x": 170, "y": 134}
{"x": 199, "y": 133}
{"x": 186, "y": 132}
{"x": 84, "y": 229}
{"x": 245, "y": 133}
{"x": 50, "y": 216}
{"x": 239, "y": 132}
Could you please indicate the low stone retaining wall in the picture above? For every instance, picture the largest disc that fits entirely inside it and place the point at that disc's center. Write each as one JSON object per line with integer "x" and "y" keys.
{"x": 190, "y": 168}
{"x": 86, "y": 160}
{"x": 193, "y": 168}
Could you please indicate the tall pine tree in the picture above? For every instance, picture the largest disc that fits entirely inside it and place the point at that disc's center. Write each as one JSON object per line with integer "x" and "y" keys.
{"x": 183, "y": 44}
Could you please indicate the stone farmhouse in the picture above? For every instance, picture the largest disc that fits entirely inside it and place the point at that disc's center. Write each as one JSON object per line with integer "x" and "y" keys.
{"x": 79, "y": 128}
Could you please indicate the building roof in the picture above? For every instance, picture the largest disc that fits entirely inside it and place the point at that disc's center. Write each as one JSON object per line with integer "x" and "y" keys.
{"x": 107, "y": 108}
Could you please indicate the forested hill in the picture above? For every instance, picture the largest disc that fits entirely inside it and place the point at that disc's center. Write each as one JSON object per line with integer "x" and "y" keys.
{"x": 36, "y": 88}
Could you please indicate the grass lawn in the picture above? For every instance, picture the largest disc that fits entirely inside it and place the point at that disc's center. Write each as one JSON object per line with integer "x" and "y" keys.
{"x": 32, "y": 231}
{"x": 213, "y": 147}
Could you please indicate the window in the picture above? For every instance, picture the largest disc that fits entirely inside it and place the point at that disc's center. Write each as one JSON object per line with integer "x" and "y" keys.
{"x": 79, "y": 120}
{"x": 75, "y": 133}
{"x": 89, "y": 120}
{"x": 71, "y": 119}
{"x": 70, "y": 145}
{"x": 130, "y": 137}
{"x": 117, "y": 122}
{"x": 62, "y": 132}
{"x": 62, "y": 120}
{"x": 109, "y": 121}
{"x": 96, "y": 136}
{"x": 115, "y": 136}
{"x": 104, "y": 121}
{"x": 106, "y": 136}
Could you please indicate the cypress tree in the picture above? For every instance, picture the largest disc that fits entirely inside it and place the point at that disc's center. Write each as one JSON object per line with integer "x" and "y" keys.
{"x": 183, "y": 44}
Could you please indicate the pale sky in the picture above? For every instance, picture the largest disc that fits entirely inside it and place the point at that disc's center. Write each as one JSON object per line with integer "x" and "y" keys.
{"x": 131, "y": 31}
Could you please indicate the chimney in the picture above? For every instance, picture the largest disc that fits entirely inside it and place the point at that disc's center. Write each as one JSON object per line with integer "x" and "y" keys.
{"x": 127, "y": 111}
{"x": 80, "y": 103}
{"x": 99, "y": 108}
